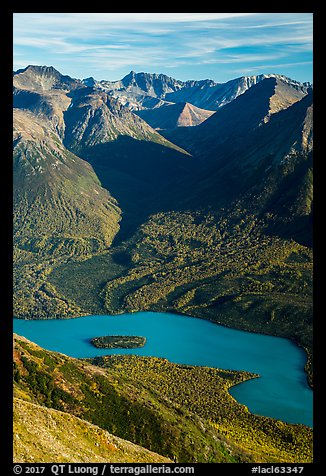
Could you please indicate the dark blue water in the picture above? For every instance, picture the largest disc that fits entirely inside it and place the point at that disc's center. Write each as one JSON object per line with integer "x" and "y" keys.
{"x": 281, "y": 391}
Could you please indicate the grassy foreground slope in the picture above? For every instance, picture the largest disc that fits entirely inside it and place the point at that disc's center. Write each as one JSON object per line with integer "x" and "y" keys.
{"x": 181, "y": 412}
{"x": 60, "y": 437}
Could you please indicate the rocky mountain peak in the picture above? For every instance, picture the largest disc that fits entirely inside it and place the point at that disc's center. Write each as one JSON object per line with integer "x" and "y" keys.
{"x": 90, "y": 82}
{"x": 43, "y": 78}
{"x": 41, "y": 70}
{"x": 156, "y": 85}
{"x": 129, "y": 79}
{"x": 170, "y": 116}
{"x": 286, "y": 93}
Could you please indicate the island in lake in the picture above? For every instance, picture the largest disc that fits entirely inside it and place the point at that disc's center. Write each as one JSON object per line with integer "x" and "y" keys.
{"x": 114, "y": 342}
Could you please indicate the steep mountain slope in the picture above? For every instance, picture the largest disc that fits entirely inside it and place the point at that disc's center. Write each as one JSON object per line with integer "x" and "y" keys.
{"x": 143, "y": 400}
{"x": 43, "y": 90}
{"x": 95, "y": 118}
{"x": 61, "y": 212}
{"x": 147, "y": 91}
{"x": 214, "y": 96}
{"x": 64, "y": 438}
{"x": 57, "y": 193}
{"x": 130, "y": 158}
{"x": 174, "y": 115}
{"x": 229, "y": 126}
{"x": 254, "y": 148}
{"x": 284, "y": 190}
{"x": 118, "y": 404}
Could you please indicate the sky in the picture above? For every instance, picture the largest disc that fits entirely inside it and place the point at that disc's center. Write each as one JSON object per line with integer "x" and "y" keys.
{"x": 217, "y": 46}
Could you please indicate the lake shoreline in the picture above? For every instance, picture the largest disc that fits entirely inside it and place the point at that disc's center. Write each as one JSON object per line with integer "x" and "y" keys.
{"x": 194, "y": 342}
{"x": 253, "y": 331}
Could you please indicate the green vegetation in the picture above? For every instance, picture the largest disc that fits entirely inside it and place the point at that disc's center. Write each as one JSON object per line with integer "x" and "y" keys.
{"x": 204, "y": 391}
{"x": 44, "y": 435}
{"x": 122, "y": 342}
{"x": 182, "y": 412}
{"x": 203, "y": 237}
{"x": 225, "y": 268}
{"x": 61, "y": 213}
{"x": 219, "y": 235}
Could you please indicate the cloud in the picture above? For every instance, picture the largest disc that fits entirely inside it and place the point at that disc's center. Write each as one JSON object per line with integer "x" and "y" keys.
{"x": 115, "y": 18}
{"x": 43, "y": 30}
{"x": 113, "y": 41}
{"x": 270, "y": 66}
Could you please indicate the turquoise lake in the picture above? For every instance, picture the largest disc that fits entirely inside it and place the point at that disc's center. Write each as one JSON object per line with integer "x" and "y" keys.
{"x": 281, "y": 391}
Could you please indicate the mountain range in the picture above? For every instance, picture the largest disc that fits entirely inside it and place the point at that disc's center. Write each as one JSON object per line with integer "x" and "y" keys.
{"x": 147, "y": 91}
{"x": 151, "y": 193}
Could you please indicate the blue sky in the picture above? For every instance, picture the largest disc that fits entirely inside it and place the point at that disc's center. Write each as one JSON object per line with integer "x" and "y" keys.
{"x": 218, "y": 46}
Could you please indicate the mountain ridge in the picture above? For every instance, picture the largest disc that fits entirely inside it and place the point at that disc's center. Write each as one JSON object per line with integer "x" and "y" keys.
{"x": 43, "y": 78}
{"x": 242, "y": 141}
{"x": 247, "y": 112}
{"x": 134, "y": 88}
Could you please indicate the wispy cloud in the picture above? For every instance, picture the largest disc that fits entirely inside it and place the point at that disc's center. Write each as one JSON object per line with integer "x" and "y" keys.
{"x": 192, "y": 43}
{"x": 126, "y": 18}
{"x": 275, "y": 68}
